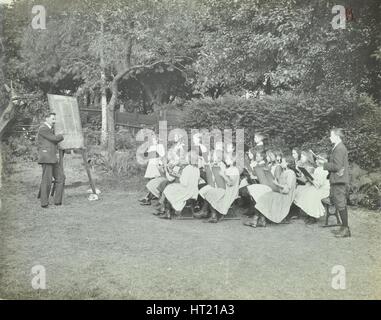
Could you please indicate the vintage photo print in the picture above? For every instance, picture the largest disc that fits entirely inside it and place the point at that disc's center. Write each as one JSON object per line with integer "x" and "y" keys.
{"x": 190, "y": 150}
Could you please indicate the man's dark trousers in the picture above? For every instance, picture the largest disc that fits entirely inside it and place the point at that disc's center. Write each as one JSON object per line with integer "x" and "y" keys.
{"x": 48, "y": 171}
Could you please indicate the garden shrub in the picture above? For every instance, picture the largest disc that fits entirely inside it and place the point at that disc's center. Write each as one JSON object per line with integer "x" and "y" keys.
{"x": 124, "y": 163}
{"x": 6, "y": 161}
{"x": 92, "y": 137}
{"x": 120, "y": 163}
{"x": 365, "y": 187}
{"x": 124, "y": 140}
{"x": 297, "y": 120}
{"x": 20, "y": 148}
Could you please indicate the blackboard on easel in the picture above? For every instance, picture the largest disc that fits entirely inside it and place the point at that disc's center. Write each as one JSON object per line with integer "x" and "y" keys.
{"x": 68, "y": 123}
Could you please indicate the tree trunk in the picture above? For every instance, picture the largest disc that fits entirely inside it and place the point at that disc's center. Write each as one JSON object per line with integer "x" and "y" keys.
{"x": 8, "y": 113}
{"x": 114, "y": 98}
{"x": 1, "y": 169}
{"x": 110, "y": 118}
{"x": 104, "y": 129}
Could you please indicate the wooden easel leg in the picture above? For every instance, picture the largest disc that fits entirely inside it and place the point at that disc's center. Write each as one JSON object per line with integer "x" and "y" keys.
{"x": 62, "y": 169}
{"x": 84, "y": 157}
{"x": 60, "y": 161}
{"x": 53, "y": 189}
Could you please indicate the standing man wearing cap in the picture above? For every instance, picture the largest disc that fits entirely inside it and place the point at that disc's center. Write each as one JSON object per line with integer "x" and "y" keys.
{"x": 47, "y": 143}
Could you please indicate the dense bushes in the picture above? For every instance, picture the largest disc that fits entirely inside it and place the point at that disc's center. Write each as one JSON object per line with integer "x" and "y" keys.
{"x": 297, "y": 120}
{"x": 365, "y": 188}
{"x": 15, "y": 149}
{"x": 124, "y": 140}
{"x": 92, "y": 137}
{"x": 122, "y": 162}
{"x": 19, "y": 148}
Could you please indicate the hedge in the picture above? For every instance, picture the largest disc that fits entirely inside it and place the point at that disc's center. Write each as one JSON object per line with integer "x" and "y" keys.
{"x": 297, "y": 120}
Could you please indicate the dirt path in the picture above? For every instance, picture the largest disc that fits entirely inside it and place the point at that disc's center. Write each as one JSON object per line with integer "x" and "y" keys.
{"x": 114, "y": 248}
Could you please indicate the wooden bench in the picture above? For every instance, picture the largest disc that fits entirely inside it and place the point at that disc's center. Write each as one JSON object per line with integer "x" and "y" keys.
{"x": 330, "y": 210}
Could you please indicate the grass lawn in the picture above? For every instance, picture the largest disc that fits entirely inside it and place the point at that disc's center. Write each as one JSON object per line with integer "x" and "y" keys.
{"x": 115, "y": 248}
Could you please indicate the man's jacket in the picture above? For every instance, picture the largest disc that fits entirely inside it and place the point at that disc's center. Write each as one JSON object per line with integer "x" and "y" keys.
{"x": 47, "y": 144}
{"x": 337, "y": 165}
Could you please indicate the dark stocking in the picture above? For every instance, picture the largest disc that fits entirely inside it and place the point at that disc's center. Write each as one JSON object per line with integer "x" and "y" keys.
{"x": 344, "y": 217}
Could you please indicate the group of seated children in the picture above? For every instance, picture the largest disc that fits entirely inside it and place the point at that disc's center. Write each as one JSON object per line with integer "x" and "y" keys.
{"x": 268, "y": 183}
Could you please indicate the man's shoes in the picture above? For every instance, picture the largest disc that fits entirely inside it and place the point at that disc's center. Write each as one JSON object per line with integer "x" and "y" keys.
{"x": 45, "y": 206}
{"x": 58, "y": 204}
{"x": 344, "y": 233}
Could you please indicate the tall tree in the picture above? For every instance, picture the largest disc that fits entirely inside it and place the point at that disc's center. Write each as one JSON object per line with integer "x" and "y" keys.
{"x": 93, "y": 43}
{"x": 287, "y": 45}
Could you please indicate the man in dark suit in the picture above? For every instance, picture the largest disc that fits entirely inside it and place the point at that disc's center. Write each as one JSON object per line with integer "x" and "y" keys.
{"x": 47, "y": 156}
{"x": 338, "y": 168}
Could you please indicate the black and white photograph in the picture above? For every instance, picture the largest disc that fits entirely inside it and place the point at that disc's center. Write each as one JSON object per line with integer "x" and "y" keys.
{"x": 195, "y": 150}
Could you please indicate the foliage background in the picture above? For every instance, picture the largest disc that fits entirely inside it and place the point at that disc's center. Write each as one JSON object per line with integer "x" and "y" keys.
{"x": 301, "y": 121}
